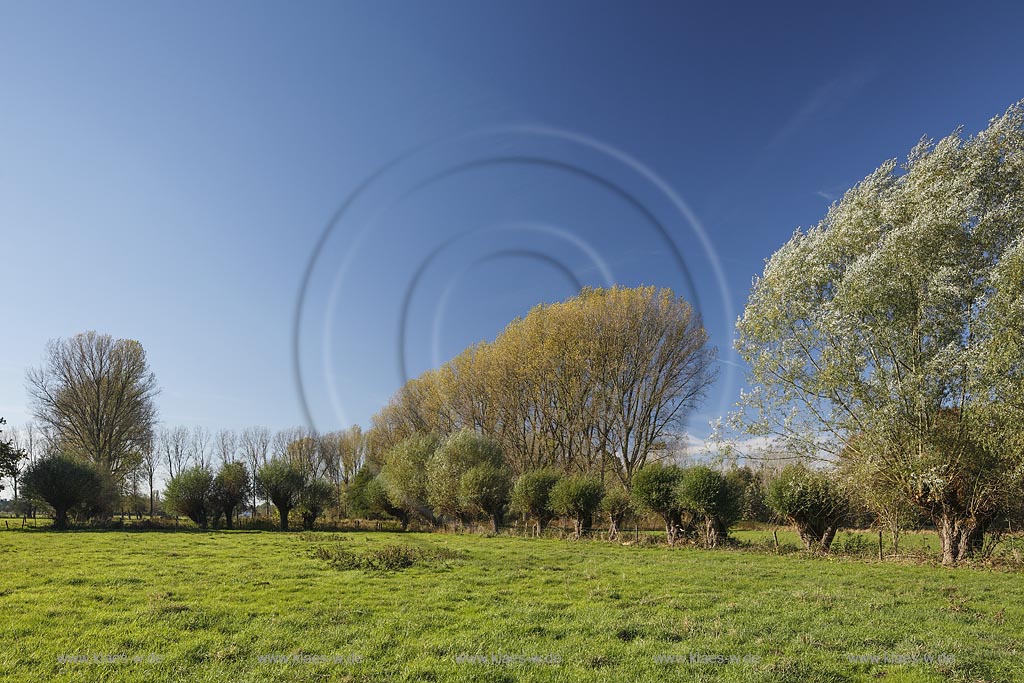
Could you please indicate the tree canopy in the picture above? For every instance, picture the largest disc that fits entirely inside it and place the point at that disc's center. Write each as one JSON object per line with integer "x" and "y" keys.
{"x": 595, "y": 383}
{"x": 97, "y": 394}
{"x": 891, "y": 331}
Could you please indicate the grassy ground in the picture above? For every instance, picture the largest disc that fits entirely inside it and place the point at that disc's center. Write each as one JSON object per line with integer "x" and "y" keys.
{"x": 219, "y": 606}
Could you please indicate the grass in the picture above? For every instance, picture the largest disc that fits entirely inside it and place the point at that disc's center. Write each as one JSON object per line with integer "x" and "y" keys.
{"x": 217, "y": 606}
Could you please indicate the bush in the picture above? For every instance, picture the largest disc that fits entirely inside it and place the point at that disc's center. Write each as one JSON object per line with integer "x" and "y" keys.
{"x": 578, "y": 498}
{"x": 812, "y": 501}
{"x": 281, "y": 483}
{"x": 63, "y": 483}
{"x": 389, "y": 558}
{"x": 655, "y": 490}
{"x": 190, "y": 494}
{"x": 531, "y": 496}
{"x": 712, "y": 499}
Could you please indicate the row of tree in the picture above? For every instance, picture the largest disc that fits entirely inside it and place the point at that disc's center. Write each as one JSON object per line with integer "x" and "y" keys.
{"x": 465, "y": 478}
{"x": 600, "y": 384}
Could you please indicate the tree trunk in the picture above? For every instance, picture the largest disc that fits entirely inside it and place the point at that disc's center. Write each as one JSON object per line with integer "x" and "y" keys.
{"x": 711, "y": 532}
{"x": 826, "y": 538}
{"x": 227, "y": 518}
{"x": 577, "y": 528}
{"x": 958, "y": 536}
{"x": 60, "y": 520}
{"x": 496, "y": 523}
{"x": 673, "y": 525}
{"x": 283, "y": 512}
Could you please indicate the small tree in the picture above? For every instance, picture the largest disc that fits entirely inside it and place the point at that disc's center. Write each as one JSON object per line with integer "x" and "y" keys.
{"x": 404, "y": 475}
{"x": 748, "y": 485}
{"x": 230, "y": 489}
{"x": 616, "y": 505}
{"x": 281, "y": 483}
{"x": 357, "y": 498}
{"x": 459, "y": 453}
{"x": 378, "y": 503}
{"x": 317, "y": 495}
{"x": 10, "y": 458}
{"x": 890, "y": 332}
{"x": 577, "y": 497}
{"x": 531, "y": 496}
{"x": 812, "y": 501}
{"x": 484, "y": 490}
{"x": 190, "y": 494}
{"x": 713, "y": 500}
{"x": 654, "y": 490}
{"x": 890, "y": 508}
{"x": 62, "y": 482}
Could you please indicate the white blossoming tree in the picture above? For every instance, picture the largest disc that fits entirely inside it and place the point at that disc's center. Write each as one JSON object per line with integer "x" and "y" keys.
{"x": 890, "y": 336}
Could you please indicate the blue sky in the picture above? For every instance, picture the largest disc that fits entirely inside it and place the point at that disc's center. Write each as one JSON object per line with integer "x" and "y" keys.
{"x": 168, "y": 170}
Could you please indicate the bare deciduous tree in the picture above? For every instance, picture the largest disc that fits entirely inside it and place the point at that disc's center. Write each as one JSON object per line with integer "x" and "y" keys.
{"x": 199, "y": 447}
{"x": 149, "y": 465}
{"x": 254, "y": 444}
{"x": 174, "y": 448}
{"x": 97, "y": 394}
{"x": 227, "y": 445}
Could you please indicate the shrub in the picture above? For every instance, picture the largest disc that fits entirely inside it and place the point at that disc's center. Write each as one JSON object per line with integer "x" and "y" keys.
{"x": 531, "y": 496}
{"x": 63, "y": 483}
{"x": 578, "y": 498}
{"x": 655, "y": 490}
{"x": 388, "y": 558}
{"x": 281, "y": 483}
{"x": 190, "y": 494}
{"x": 812, "y": 501}
{"x": 712, "y": 499}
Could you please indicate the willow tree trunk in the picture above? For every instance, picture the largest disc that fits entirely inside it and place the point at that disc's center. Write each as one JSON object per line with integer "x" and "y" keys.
{"x": 960, "y": 537}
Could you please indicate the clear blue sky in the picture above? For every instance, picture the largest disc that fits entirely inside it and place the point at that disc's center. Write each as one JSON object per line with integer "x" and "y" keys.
{"x": 166, "y": 170}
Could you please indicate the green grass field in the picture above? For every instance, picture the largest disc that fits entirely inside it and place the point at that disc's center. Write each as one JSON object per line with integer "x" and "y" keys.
{"x": 257, "y": 606}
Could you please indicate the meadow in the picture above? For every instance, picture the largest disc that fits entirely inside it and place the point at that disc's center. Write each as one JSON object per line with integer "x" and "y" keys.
{"x": 254, "y": 606}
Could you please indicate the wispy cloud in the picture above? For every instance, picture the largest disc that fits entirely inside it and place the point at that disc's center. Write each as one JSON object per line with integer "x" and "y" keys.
{"x": 826, "y": 195}
{"x": 828, "y": 97}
